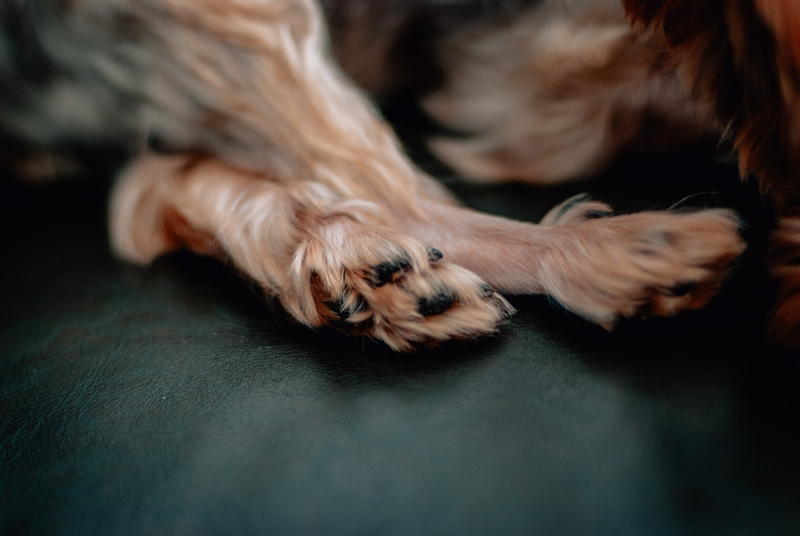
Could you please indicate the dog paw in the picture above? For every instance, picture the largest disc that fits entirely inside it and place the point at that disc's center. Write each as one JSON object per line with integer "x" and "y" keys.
{"x": 374, "y": 282}
{"x": 576, "y": 209}
{"x": 645, "y": 264}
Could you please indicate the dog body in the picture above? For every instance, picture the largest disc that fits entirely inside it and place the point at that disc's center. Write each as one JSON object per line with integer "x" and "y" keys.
{"x": 272, "y": 159}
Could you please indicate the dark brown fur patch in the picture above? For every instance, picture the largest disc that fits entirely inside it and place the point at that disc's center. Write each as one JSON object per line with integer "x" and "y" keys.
{"x": 735, "y": 60}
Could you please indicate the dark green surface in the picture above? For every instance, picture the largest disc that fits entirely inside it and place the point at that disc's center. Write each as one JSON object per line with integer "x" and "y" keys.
{"x": 174, "y": 400}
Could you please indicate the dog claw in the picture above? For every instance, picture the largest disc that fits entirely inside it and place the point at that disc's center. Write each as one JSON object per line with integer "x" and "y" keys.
{"x": 597, "y": 214}
{"x": 434, "y": 255}
{"x": 487, "y": 290}
{"x": 577, "y": 209}
{"x": 571, "y": 203}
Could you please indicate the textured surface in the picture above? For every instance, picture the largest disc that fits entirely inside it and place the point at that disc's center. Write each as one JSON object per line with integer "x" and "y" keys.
{"x": 174, "y": 400}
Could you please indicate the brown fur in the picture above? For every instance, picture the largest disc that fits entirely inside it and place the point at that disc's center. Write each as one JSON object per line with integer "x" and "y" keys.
{"x": 305, "y": 190}
{"x": 745, "y": 55}
{"x": 560, "y": 93}
{"x": 318, "y": 251}
{"x": 734, "y": 58}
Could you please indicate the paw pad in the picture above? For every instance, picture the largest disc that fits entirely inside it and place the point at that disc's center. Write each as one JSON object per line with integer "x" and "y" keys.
{"x": 435, "y": 305}
{"x": 386, "y": 272}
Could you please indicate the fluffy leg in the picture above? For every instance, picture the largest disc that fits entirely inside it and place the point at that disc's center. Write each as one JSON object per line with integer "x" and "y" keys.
{"x": 339, "y": 222}
{"x": 330, "y": 260}
{"x": 602, "y": 268}
{"x": 341, "y": 262}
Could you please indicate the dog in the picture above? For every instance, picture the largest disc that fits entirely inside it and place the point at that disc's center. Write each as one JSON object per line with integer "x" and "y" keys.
{"x": 252, "y": 145}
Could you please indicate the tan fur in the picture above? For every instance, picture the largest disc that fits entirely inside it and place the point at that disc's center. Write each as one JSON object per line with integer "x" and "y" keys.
{"x": 283, "y": 168}
{"x": 650, "y": 263}
{"x": 745, "y": 56}
{"x": 559, "y": 94}
{"x": 317, "y": 251}
{"x": 302, "y": 242}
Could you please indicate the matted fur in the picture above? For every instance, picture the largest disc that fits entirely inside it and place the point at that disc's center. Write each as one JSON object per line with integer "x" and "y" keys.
{"x": 282, "y": 167}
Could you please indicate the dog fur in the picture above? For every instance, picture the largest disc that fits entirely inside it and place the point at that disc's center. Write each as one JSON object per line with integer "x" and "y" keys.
{"x": 559, "y": 93}
{"x": 271, "y": 158}
{"x": 744, "y": 57}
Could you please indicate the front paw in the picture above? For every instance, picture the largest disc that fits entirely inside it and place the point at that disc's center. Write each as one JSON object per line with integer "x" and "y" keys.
{"x": 390, "y": 287}
{"x": 645, "y": 264}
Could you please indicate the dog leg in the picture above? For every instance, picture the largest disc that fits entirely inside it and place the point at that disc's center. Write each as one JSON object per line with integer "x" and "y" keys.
{"x": 602, "y": 268}
{"x": 337, "y": 222}
{"x": 341, "y": 262}
{"x": 329, "y": 260}
{"x": 317, "y": 224}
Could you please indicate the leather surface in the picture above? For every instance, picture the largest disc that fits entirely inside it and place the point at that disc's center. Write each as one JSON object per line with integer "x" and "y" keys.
{"x": 175, "y": 400}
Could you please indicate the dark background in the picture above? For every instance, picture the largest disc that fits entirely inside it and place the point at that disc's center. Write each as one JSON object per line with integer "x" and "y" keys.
{"x": 176, "y": 400}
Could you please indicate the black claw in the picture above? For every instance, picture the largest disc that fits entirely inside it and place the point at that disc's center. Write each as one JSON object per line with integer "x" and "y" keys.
{"x": 435, "y": 305}
{"x": 384, "y": 272}
{"x": 681, "y": 289}
{"x": 580, "y": 198}
{"x": 596, "y": 214}
{"x": 487, "y": 290}
{"x": 434, "y": 255}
